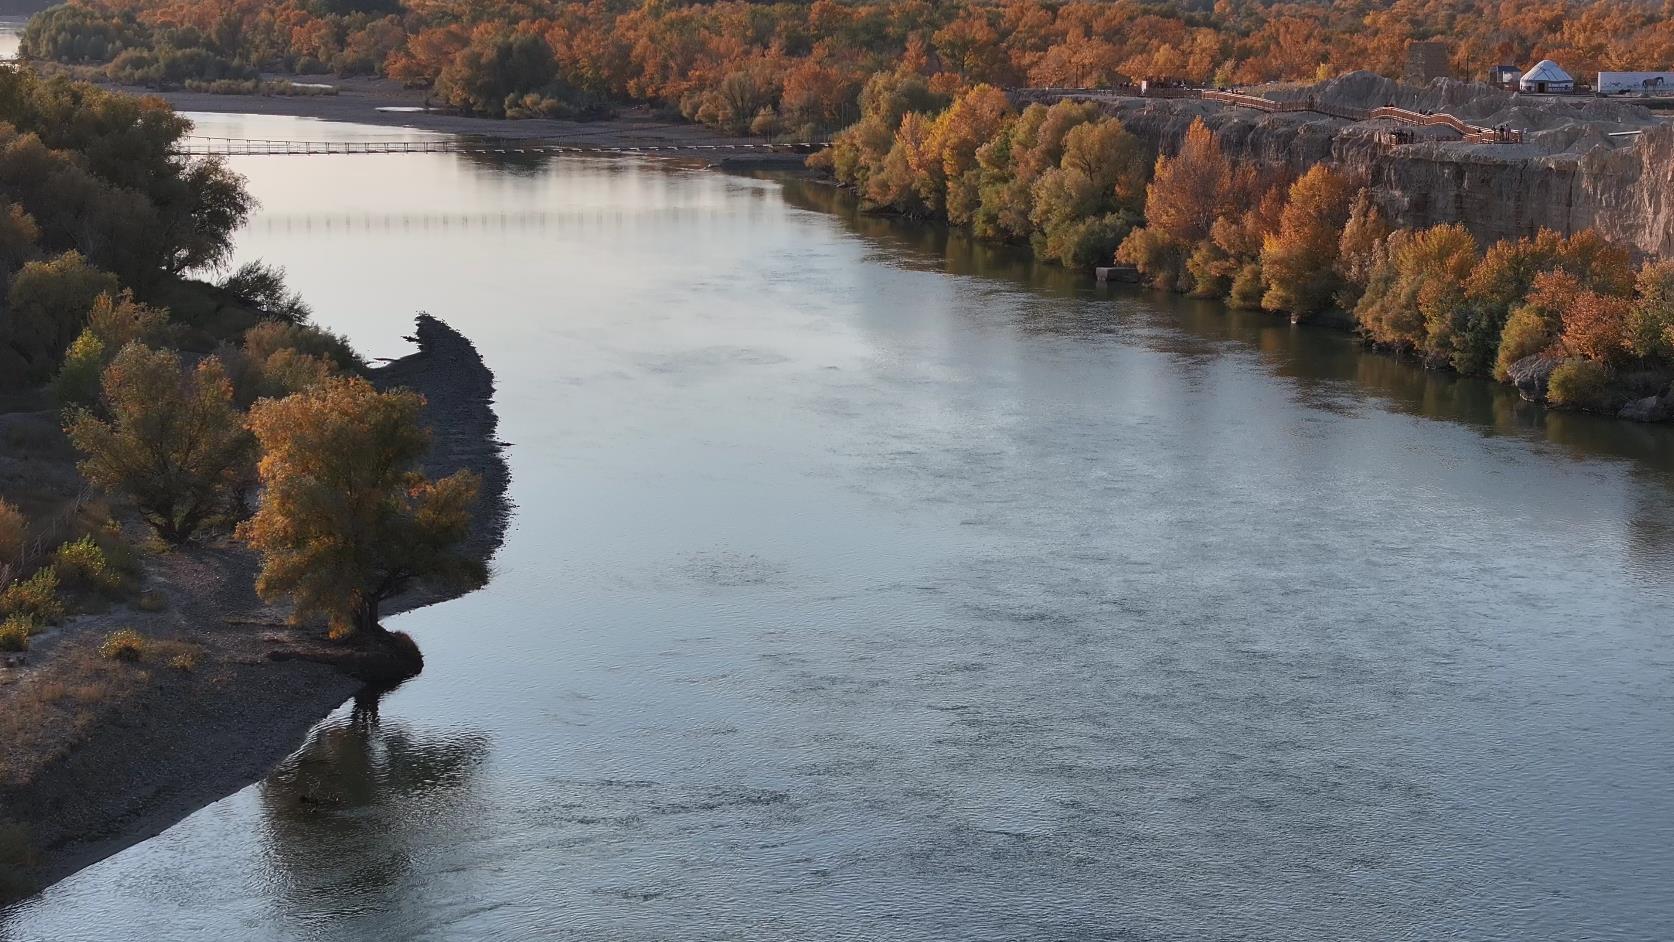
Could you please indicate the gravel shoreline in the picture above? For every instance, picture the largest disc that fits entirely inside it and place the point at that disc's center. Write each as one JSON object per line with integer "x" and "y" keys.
{"x": 182, "y": 740}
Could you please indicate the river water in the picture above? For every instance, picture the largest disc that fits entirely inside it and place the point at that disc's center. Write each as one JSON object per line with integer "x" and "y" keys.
{"x": 870, "y": 584}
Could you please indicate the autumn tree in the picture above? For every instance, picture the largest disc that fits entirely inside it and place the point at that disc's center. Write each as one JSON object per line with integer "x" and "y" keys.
{"x": 1085, "y": 207}
{"x": 1415, "y": 298}
{"x": 1534, "y": 325}
{"x": 1298, "y": 263}
{"x": 346, "y": 520}
{"x": 1192, "y": 189}
{"x": 1651, "y": 322}
{"x": 173, "y": 442}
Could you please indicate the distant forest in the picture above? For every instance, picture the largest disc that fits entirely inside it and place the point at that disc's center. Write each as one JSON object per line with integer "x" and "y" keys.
{"x": 790, "y": 66}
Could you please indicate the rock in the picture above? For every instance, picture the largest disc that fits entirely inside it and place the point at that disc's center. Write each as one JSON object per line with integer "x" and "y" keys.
{"x": 1570, "y": 174}
{"x": 1648, "y": 409}
{"x": 1531, "y": 374}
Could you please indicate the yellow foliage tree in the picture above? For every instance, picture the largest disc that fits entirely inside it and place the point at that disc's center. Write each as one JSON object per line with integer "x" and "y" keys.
{"x": 346, "y": 521}
{"x": 1192, "y": 189}
{"x": 1298, "y": 263}
{"x": 174, "y": 443}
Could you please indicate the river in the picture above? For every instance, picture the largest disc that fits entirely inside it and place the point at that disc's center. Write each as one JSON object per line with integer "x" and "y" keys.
{"x": 867, "y": 583}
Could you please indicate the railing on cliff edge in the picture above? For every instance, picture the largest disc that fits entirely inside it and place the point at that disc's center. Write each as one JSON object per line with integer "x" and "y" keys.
{"x": 1472, "y": 134}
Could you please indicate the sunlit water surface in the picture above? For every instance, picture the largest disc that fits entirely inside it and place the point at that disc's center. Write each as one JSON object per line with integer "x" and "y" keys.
{"x": 868, "y": 584}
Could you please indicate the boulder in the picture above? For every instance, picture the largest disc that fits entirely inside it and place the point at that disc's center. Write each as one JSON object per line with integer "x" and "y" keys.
{"x": 1531, "y": 374}
{"x": 1648, "y": 409}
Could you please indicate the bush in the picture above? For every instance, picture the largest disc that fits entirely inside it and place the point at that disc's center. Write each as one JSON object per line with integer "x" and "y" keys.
{"x": 1160, "y": 260}
{"x": 82, "y": 566}
{"x": 35, "y": 598}
{"x": 1526, "y": 333}
{"x": 185, "y": 661}
{"x": 152, "y": 602}
{"x": 1247, "y": 288}
{"x": 77, "y": 383}
{"x": 15, "y": 632}
{"x": 124, "y": 644}
{"x": 1577, "y": 384}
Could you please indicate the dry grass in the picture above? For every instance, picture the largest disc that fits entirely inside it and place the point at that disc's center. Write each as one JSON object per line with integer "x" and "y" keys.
{"x": 46, "y": 713}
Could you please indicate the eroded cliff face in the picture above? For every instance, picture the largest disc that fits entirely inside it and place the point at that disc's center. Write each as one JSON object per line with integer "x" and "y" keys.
{"x": 1570, "y": 175}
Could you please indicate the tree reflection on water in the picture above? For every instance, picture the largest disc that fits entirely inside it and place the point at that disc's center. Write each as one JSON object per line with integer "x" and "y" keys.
{"x": 352, "y": 812}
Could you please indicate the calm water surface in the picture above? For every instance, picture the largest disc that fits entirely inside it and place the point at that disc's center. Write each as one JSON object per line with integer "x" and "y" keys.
{"x": 868, "y": 584}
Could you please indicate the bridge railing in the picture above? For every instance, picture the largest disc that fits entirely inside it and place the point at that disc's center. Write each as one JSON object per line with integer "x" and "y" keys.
{"x": 1472, "y": 133}
{"x": 197, "y": 146}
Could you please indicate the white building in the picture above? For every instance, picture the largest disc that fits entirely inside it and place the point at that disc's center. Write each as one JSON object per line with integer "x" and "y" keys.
{"x": 1635, "y": 83}
{"x": 1546, "y": 77}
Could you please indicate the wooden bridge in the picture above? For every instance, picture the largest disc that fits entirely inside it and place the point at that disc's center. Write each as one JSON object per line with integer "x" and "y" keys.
{"x": 1471, "y": 133}
{"x": 252, "y": 147}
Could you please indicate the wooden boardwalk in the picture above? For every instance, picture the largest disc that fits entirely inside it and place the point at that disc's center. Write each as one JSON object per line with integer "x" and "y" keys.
{"x": 252, "y": 147}
{"x": 1470, "y": 133}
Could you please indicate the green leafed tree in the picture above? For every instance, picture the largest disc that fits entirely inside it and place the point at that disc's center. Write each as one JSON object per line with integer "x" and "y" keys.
{"x": 47, "y": 306}
{"x": 173, "y": 442}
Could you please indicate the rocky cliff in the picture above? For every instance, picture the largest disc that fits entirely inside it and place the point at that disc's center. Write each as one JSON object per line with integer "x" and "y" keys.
{"x": 1569, "y": 173}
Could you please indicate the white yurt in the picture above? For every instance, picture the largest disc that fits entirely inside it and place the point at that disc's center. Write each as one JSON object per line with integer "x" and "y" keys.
{"x": 1546, "y": 77}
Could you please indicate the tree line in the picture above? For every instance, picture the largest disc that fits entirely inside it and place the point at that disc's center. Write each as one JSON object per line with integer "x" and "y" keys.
{"x": 209, "y": 410}
{"x": 1575, "y": 312}
{"x": 796, "y": 66}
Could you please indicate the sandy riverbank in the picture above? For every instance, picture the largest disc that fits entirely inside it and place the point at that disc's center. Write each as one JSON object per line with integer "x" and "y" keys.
{"x": 369, "y": 101}
{"x": 104, "y": 754}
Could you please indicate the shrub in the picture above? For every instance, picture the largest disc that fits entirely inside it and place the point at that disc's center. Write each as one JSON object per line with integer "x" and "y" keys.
{"x": 1247, "y": 288}
{"x": 82, "y": 566}
{"x": 120, "y": 320}
{"x": 1577, "y": 384}
{"x": 1159, "y": 259}
{"x": 124, "y": 644}
{"x": 152, "y": 602}
{"x": 186, "y": 661}
{"x": 15, "y": 632}
{"x": 35, "y": 597}
{"x": 77, "y": 383}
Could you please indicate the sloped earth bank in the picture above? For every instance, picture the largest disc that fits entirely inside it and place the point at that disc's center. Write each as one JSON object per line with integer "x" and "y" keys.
{"x": 101, "y": 755}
